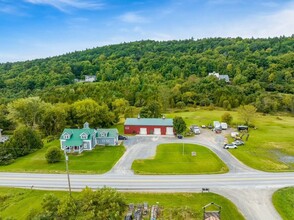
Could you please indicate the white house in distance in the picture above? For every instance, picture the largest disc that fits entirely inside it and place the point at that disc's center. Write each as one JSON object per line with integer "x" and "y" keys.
{"x": 90, "y": 78}
{"x": 220, "y": 77}
{"x": 2, "y": 137}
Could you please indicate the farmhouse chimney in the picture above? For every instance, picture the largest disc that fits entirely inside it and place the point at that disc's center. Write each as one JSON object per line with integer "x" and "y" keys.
{"x": 163, "y": 116}
{"x": 138, "y": 116}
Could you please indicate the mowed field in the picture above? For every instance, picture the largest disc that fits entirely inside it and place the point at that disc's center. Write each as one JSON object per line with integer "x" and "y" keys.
{"x": 270, "y": 146}
{"x": 17, "y": 203}
{"x": 99, "y": 160}
{"x": 178, "y": 159}
{"x": 283, "y": 200}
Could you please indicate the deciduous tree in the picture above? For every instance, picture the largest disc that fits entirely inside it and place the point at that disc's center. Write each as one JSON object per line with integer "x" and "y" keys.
{"x": 247, "y": 113}
{"x": 227, "y": 117}
{"x": 53, "y": 155}
{"x": 24, "y": 141}
{"x": 179, "y": 125}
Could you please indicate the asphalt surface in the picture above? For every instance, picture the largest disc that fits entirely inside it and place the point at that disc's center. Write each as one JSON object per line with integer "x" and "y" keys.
{"x": 249, "y": 189}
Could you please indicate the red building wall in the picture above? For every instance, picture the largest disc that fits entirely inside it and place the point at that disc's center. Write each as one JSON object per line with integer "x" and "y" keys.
{"x": 135, "y": 129}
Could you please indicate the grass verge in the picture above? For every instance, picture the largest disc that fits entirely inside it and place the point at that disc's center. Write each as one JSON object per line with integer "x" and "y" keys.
{"x": 283, "y": 200}
{"x": 177, "y": 159}
{"x": 99, "y": 160}
{"x": 17, "y": 203}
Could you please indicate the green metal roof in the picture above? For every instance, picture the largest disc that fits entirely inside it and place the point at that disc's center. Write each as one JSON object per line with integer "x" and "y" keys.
{"x": 75, "y": 133}
{"x": 75, "y": 138}
{"x": 149, "y": 121}
{"x": 111, "y": 133}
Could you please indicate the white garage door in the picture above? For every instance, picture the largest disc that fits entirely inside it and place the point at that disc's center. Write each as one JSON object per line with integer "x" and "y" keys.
{"x": 143, "y": 130}
{"x": 157, "y": 131}
{"x": 169, "y": 130}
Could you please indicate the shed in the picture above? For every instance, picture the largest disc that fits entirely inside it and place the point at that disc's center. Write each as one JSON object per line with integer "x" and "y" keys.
{"x": 146, "y": 126}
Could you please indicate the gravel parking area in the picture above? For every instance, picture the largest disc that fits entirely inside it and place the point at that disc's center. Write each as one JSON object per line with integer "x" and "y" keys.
{"x": 143, "y": 147}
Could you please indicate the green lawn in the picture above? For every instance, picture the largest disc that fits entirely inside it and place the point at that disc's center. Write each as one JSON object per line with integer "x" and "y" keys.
{"x": 99, "y": 160}
{"x": 283, "y": 200}
{"x": 17, "y": 203}
{"x": 269, "y": 148}
{"x": 170, "y": 159}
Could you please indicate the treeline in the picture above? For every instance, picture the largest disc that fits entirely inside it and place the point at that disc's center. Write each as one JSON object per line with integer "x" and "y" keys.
{"x": 173, "y": 73}
{"x": 51, "y": 119}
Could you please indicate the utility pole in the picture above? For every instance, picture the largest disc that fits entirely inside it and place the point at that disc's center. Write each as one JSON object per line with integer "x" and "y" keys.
{"x": 66, "y": 163}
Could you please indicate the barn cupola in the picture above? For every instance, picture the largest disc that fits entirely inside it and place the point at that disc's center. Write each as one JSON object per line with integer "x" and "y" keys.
{"x": 86, "y": 125}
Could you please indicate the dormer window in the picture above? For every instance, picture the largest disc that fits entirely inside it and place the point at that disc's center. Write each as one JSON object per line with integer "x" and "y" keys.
{"x": 84, "y": 136}
{"x": 103, "y": 134}
{"x": 66, "y": 136}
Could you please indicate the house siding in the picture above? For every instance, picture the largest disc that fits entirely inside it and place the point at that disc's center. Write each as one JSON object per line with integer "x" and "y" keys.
{"x": 87, "y": 145}
{"x": 106, "y": 141}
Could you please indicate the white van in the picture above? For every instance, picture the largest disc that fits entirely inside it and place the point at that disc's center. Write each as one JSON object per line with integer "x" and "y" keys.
{"x": 195, "y": 129}
{"x": 224, "y": 125}
{"x": 216, "y": 124}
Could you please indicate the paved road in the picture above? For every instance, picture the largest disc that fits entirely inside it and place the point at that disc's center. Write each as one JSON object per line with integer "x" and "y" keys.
{"x": 249, "y": 189}
{"x": 251, "y": 192}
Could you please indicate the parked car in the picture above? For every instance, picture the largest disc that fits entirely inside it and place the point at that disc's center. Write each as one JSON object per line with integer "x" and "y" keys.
{"x": 203, "y": 126}
{"x": 238, "y": 142}
{"x": 217, "y": 130}
{"x": 230, "y": 146}
{"x": 180, "y": 136}
{"x": 121, "y": 137}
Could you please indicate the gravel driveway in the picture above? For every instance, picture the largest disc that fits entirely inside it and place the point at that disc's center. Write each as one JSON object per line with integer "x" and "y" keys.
{"x": 142, "y": 147}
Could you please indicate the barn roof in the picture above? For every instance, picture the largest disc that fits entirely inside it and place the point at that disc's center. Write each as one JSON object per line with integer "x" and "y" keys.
{"x": 149, "y": 121}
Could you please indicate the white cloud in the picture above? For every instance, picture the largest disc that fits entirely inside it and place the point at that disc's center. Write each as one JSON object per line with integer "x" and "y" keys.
{"x": 64, "y": 5}
{"x": 133, "y": 17}
{"x": 277, "y": 23}
{"x": 9, "y": 8}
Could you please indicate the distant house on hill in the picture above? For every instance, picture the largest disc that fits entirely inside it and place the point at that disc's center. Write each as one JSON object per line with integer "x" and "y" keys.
{"x": 220, "y": 77}
{"x": 78, "y": 140}
{"x": 90, "y": 78}
{"x": 2, "y": 137}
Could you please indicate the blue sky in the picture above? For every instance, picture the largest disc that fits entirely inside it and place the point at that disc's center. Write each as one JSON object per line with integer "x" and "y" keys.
{"x": 40, "y": 28}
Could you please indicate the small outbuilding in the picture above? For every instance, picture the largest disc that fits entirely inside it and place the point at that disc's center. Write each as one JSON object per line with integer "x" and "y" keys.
{"x": 146, "y": 126}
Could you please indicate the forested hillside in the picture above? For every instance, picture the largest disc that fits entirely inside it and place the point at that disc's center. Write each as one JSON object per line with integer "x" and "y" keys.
{"x": 173, "y": 73}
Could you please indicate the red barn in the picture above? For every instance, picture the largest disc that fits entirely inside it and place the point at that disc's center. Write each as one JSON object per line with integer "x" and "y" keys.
{"x": 158, "y": 126}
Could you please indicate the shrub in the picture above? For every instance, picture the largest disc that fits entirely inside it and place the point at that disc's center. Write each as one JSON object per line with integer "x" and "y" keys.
{"x": 53, "y": 155}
